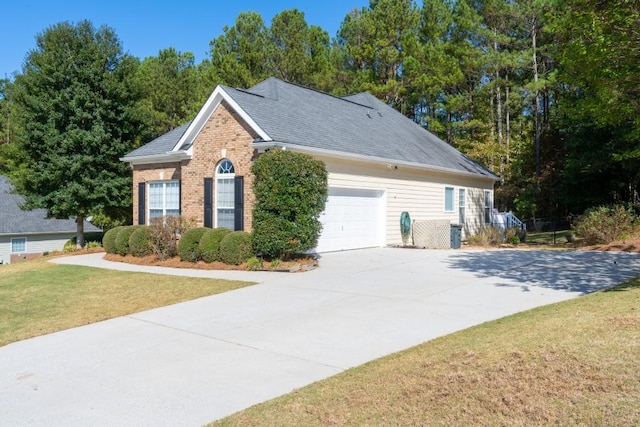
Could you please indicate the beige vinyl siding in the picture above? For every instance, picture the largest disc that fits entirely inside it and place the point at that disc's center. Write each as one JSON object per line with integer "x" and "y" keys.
{"x": 36, "y": 244}
{"x": 419, "y": 192}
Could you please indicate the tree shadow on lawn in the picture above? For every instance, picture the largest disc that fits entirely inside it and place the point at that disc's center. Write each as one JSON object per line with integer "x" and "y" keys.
{"x": 571, "y": 271}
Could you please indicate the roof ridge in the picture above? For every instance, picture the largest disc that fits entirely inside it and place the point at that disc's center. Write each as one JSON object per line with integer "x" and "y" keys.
{"x": 319, "y": 92}
{"x": 246, "y": 91}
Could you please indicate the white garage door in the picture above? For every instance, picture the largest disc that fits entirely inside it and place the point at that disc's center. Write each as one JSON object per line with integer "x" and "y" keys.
{"x": 352, "y": 219}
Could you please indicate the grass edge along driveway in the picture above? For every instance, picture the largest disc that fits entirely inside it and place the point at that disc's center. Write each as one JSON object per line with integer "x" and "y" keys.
{"x": 38, "y": 297}
{"x": 570, "y": 363}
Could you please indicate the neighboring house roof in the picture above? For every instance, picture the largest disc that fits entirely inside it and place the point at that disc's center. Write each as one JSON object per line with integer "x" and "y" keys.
{"x": 357, "y": 126}
{"x": 14, "y": 220}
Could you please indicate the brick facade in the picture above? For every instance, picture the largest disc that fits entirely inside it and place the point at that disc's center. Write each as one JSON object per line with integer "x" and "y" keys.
{"x": 225, "y": 135}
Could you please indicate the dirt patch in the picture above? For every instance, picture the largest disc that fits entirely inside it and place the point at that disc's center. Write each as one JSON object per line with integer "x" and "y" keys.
{"x": 301, "y": 263}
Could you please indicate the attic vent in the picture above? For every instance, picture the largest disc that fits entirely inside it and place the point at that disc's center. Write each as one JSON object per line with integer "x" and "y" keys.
{"x": 368, "y": 115}
{"x": 379, "y": 113}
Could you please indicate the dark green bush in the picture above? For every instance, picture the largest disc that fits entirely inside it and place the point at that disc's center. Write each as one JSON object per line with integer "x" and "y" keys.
{"x": 278, "y": 237}
{"x": 109, "y": 240}
{"x": 188, "y": 246}
{"x": 236, "y": 247}
{"x": 122, "y": 239}
{"x": 291, "y": 192}
{"x": 140, "y": 241}
{"x": 210, "y": 244}
{"x": 604, "y": 224}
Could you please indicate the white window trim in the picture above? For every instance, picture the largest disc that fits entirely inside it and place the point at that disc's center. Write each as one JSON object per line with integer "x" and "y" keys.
{"x": 219, "y": 176}
{"x": 453, "y": 199}
{"x": 462, "y": 203}
{"x": 488, "y": 210}
{"x": 25, "y": 245}
{"x": 164, "y": 198}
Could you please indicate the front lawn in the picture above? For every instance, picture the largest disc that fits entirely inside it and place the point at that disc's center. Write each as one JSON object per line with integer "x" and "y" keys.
{"x": 572, "y": 363}
{"x": 37, "y": 297}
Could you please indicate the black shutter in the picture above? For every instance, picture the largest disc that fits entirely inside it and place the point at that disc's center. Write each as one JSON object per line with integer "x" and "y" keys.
{"x": 180, "y": 197}
{"x": 238, "y": 208}
{"x": 142, "y": 209}
{"x": 208, "y": 202}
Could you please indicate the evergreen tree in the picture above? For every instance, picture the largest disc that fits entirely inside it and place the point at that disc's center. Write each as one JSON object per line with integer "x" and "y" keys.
{"x": 239, "y": 56}
{"x": 76, "y": 105}
{"x": 172, "y": 89}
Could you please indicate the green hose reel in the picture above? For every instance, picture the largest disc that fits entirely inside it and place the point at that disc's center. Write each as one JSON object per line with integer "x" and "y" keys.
{"x": 405, "y": 224}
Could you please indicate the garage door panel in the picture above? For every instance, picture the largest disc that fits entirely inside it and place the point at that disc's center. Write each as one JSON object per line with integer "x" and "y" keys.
{"x": 353, "y": 218}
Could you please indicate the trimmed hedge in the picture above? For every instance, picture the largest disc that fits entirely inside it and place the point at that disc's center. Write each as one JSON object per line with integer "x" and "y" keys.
{"x": 122, "y": 239}
{"x": 109, "y": 239}
{"x": 188, "y": 246}
{"x": 236, "y": 247}
{"x": 291, "y": 192}
{"x": 210, "y": 244}
{"x": 140, "y": 241}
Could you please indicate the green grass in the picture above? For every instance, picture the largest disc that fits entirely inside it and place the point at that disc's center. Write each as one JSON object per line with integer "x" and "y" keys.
{"x": 546, "y": 237}
{"x": 38, "y": 297}
{"x": 572, "y": 363}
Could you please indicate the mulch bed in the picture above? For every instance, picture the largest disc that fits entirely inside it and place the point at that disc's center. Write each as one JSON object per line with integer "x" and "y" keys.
{"x": 298, "y": 264}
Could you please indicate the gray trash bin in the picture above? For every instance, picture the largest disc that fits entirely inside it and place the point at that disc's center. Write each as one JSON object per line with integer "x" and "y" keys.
{"x": 456, "y": 236}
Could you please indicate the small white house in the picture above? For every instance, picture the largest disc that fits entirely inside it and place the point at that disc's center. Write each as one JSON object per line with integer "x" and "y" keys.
{"x": 28, "y": 234}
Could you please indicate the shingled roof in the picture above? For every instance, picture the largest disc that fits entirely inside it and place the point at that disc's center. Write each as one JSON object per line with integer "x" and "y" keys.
{"x": 15, "y": 221}
{"x": 358, "y": 126}
{"x": 162, "y": 144}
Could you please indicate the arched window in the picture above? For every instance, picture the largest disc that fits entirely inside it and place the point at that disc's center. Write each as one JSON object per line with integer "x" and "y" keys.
{"x": 225, "y": 174}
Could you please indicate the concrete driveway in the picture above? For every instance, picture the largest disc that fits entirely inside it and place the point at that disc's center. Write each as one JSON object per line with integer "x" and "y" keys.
{"x": 198, "y": 361}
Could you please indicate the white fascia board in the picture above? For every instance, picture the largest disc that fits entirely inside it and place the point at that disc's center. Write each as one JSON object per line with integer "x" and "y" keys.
{"x": 362, "y": 158}
{"x": 214, "y": 100}
{"x": 168, "y": 157}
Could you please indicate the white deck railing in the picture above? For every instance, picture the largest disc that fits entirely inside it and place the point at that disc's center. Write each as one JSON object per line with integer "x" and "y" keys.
{"x": 507, "y": 220}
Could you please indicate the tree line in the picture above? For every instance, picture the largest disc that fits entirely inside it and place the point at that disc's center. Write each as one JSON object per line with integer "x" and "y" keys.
{"x": 543, "y": 92}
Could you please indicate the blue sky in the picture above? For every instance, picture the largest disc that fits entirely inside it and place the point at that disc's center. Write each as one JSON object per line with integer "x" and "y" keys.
{"x": 145, "y": 27}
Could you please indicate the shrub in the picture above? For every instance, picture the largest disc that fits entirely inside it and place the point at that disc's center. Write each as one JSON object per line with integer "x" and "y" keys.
{"x": 90, "y": 237}
{"x": 140, "y": 241}
{"x": 488, "y": 236}
{"x": 210, "y": 244}
{"x": 70, "y": 246}
{"x": 291, "y": 191}
{"x": 605, "y": 224}
{"x": 512, "y": 235}
{"x": 188, "y": 246}
{"x": 93, "y": 245}
{"x": 165, "y": 235}
{"x": 236, "y": 247}
{"x": 122, "y": 239}
{"x": 109, "y": 239}
{"x": 254, "y": 264}
{"x": 275, "y": 263}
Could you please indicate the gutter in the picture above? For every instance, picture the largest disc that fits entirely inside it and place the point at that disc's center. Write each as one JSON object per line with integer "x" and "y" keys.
{"x": 390, "y": 163}
{"x": 167, "y": 157}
